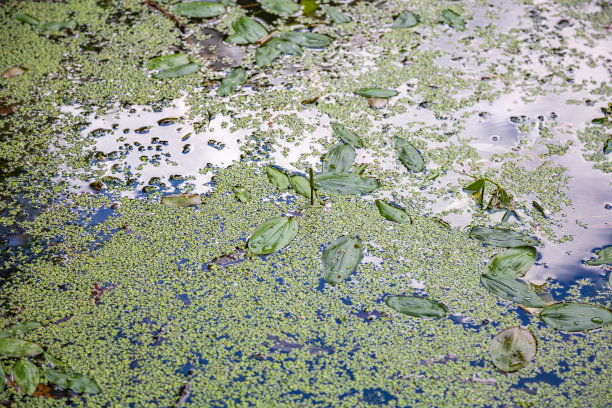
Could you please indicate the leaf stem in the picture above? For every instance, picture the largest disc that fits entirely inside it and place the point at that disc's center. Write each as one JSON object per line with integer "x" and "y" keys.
{"x": 312, "y": 193}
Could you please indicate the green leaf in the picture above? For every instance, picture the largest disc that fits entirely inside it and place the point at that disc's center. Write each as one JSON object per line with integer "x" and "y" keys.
{"x": 345, "y": 183}
{"x": 277, "y": 177}
{"x": 376, "y": 93}
{"x": 604, "y": 257}
{"x": 56, "y": 377}
{"x": 279, "y": 7}
{"x": 347, "y": 135}
{"x": 393, "y": 213}
{"x": 513, "y": 262}
{"x": 231, "y": 82}
{"x": 406, "y": 20}
{"x": 341, "y": 258}
{"x": 179, "y": 71}
{"x": 18, "y": 348}
{"x": 475, "y": 187}
{"x": 540, "y": 209}
{"x": 339, "y": 158}
{"x": 2, "y": 378}
{"x": 181, "y": 200}
{"x": 19, "y": 329}
{"x": 249, "y": 29}
{"x": 453, "y": 19}
{"x": 572, "y": 317}
{"x": 408, "y": 155}
{"x": 266, "y": 54}
{"x": 300, "y": 184}
{"x": 607, "y": 147}
{"x": 24, "y": 18}
{"x": 201, "y": 9}
{"x": 285, "y": 46}
{"x": 336, "y": 15}
{"x": 54, "y": 361}
{"x": 241, "y": 194}
{"x": 55, "y": 25}
{"x": 273, "y": 235}
{"x": 512, "y": 349}
{"x": 306, "y": 39}
{"x": 417, "y": 306}
{"x": 73, "y": 381}
{"x": 309, "y": 6}
{"x": 167, "y": 61}
{"x": 236, "y": 39}
{"x": 26, "y": 376}
{"x": 502, "y": 238}
{"x": 512, "y": 289}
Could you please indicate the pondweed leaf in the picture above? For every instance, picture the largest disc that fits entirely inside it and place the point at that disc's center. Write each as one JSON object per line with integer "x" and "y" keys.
{"x": 607, "y": 147}
{"x": 306, "y": 39}
{"x": 512, "y": 349}
{"x": 12, "y": 72}
{"x": 573, "y": 317}
{"x": 341, "y": 258}
{"x": 231, "y": 82}
{"x": 539, "y": 208}
{"x": 53, "y": 361}
{"x": 278, "y": 178}
{"x": 201, "y": 9}
{"x": 502, "y": 238}
{"x": 512, "y": 289}
{"x": 376, "y": 93}
{"x": 285, "y": 46}
{"x": 10, "y": 347}
{"x": 604, "y": 257}
{"x": 300, "y": 184}
{"x": 26, "y": 376}
{"x": 453, "y": 19}
{"x": 339, "y": 158}
{"x": 336, "y": 15}
{"x": 309, "y": 6}
{"x": 70, "y": 380}
{"x": 241, "y": 193}
{"x": 346, "y": 135}
{"x": 247, "y": 30}
{"x": 2, "y": 378}
{"x": 408, "y": 155}
{"x": 417, "y": 306}
{"x": 279, "y": 7}
{"x": 513, "y": 262}
{"x": 393, "y": 213}
{"x": 406, "y": 20}
{"x": 19, "y": 329}
{"x": 55, "y": 25}
{"x": 273, "y": 235}
{"x": 179, "y": 71}
{"x": 273, "y": 49}
{"x": 345, "y": 183}
{"x": 181, "y": 200}
{"x": 24, "y": 18}
{"x": 475, "y": 187}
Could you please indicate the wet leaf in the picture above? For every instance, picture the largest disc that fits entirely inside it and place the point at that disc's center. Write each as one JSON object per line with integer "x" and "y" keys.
{"x": 540, "y": 209}
{"x": 306, "y": 39}
{"x": 24, "y": 18}
{"x": 341, "y": 258}
{"x": 502, "y": 238}
{"x": 406, "y": 20}
{"x": 511, "y": 289}
{"x": 12, "y": 71}
{"x": 345, "y": 183}
{"x": 10, "y": 347}
{"x": 393, "y": 213}
{"x": 607, "y": 147}
{"x": 277, "y": 177}
{"x": 604, "y": 257}
{"x": 300, "y": 184}
{"x": 309, "y": 6}
{"x": 339, "y": 158}
{"x": 346, "y": 135}
{"x": 179, "y": 71}
{"x": 19, "y": 329}
{"x": 279, "y": 7}
{"x": 336, "y": 15}
{"x": 273, "y": 235}
{"x": 273, "y": 49}
{"x": 241, "y": 194}
{"x": 181, "y": 200}
{"x": 70, "y": 380}
{"x": 453, "y": 19}
{"x": 231, "y": 82}
{"x": 248, "y": 29}
{"x": 26, "y": 376}
{"x": 167, "y": 61}
{"x": 475, "y": 187}
{"x": 201, "y": 9}
{"x": 513, "y": 262}
{"x": 417, "y": 306}
{"x": 53, "y": 361}
{"x": 57, "y": 377}
{"x": 376, "y": 93}
{"x": 572, "y": 317}
{"x": 55, "y": 25}
{"x": 408, "y": 155}
{"x": 512, "y": 349}
{"x": 2, "y": 378}
{"x": 285, "y": 46}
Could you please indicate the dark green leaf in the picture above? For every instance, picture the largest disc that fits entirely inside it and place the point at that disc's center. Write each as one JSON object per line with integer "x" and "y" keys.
{"x": 453, "y": 19}
{"x": 336, "y": 15}
{"x": 181, "y": 200}
{"x": 501, "y": 238}
{"x": 200, "y": 9}
{"x": 242, "y": 194}
{"x": 19, "y": 329}
{"x": 393, "y": 213}
{"x": 57, "y": 377}
{"x": 540, "y": 209}
{"x": 179, "y": 71}
{"x": 24, "y": 18}
{"x": 511, "y": 289}
{"x": 346, "y": 135}
{"x": 236, "y": 39}
{"x": 306, "y": 39}
{"x": 604, "y": 257}
{"x": 309, "y": 6}
{"x": 277, "y": 177}
{"x": 572, "y": 317}
{"x": 18, "y": 348}
{"x": 417, "y": 306}
{"x": 345, "y": 183}
{"x": 607, "y": 147}
{"x": 53, "y": 361}
{"x": 231, "y": 82}
{"x": 376, "y": 93}
{"x": 339, "y": 158}
{"x": 266, "y": 54}
{"x": 512, "y": 349}
{"x": 285, "y": 46}
{"x": 167, "y": 61}
{"x": 2, "y": 378}
{"x": 340, "y": 259}
{"x": 475, "y": 187}
{"x": 512, "y": 263}
{"x": 406, "y": 20}
{"x": 82, "y": 383}
{"x": 300, "y": 184}
{"x": 273, "y": 235}
{"x": 598, "y": 121}
{"x": 408, "y": 155}
{"x": 279, "y": 7}
{"x": 55, "y": 25}
{"x": 249, "y": 29}
{"x": 26, "y": 376}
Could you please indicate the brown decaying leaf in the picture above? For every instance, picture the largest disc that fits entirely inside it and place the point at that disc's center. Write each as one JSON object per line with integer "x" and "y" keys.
{"x": 12, "y": 71}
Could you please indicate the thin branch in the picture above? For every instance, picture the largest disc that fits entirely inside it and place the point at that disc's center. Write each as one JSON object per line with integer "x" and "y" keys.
{"x": 166, "y": 13}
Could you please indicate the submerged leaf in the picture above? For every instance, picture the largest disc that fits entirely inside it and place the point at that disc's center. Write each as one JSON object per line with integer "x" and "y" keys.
{"x": 511, "y": 289}
{"x": 273, "y": 235}
{"x": 512, "y": 349}
{"x": 502, "y": 238}
{"x": 341, "y": 258}
{"x": 12, "y": 71}
{"x": 277, "y": 177}
{"x": 347, "y": 135}
{"x": 231, "y": 82}
{"x": 24, "y": 18}
{"x": 241, "y": 193}
{"x": 408, "y": 155}
{"x": 279, "y": 7}
{"x": 417, "y": 306}
{"x": 249, "y": 29}
{"x": 572, "y": 317}
{"x": 306, "y": 39}
{"x": 26, "y": 376}
{"x": 513, "y": 262}
{"x": 201, "y": 9}
{"x": 181, "y": 200}
{"x": 55, "y": 25}
{"x": 393, "y": 213}
{"x": 604, "y": 257}
{"x": 70, "y": 380}
{"x": 19, "y": 329}
{"x": 300, "y": 184}
{"x": 336, "y": 15}
{"x": 345, "y": 183}
{"x": 376, "y": 93}
{"x": 453, "y": 19}
{"x": 339, "y": 159}
{"x": 406, "y": 20}
{"x": 179, "y": 71}
{"x": 10, "y": 347}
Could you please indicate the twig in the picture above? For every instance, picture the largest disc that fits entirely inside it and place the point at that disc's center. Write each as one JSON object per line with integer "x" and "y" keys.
{"x": 264, "y": 40}
{"x": 166, "y": 13}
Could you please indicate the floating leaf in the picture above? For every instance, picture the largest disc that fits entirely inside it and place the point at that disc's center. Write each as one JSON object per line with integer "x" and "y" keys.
{"x": 12, "y": 71}
{"x": 607, "y": 147}
{"x": 179, "y": 71}
{"x": 181, "y": 200}
{"x": 408, "y": 155}
{"x": 501, "y": 238}
{"x": 273, "y": 49}
{"x": 345, "y": 183}
{"x": 277, "y": 177}
{"x": 24, "y": 18}
{"x": 475, "y": 187}
{"x": 248, "y": 29}
{"x": 511, "y": 289}
{"x": 201, "y": 9}
{"x": 336, "y": 15}
{"x": 406, "y": 20}
{"x": 279, "y": 7}
{"x": 73, "y": 381}
{"x": 512, "y": 349}
{"x": 309, "y": 6}
{"x": 572, "y": 317}
{"x": 347, "y": 135}
{"x": 19, "y": 329}
{"x": 376, "y": 93}
{"x": 26, "y": 376}
{"x": 241, "y": 193}
{"x": 393, "y": 213}
{"x": 339, "y": 158}
{"x": 341, "y": 258}
{"x": 300, "y": 184}
{"x": 2, "y": 378}
{"x": 53, "y": 361}
{"x": 57, "y": 377}
{"x": 453, "y": 19}
{"x": 55, "y": 25}
{"x": 604, "y": 257}
{"x": 285, "y": 46}
{"x": 540, "y": 209}
{"x": 306, "y": 39}
{"x": 513, "y": 262}
{"x": 417, "y": 306}
{"x": 231, "y": 82}
{"x": 10, "y": 347}
{"x": 273, "y": 235}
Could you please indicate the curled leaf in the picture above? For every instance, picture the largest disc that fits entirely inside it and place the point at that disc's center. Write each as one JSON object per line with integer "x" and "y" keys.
{"x": 341, "y": 258}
